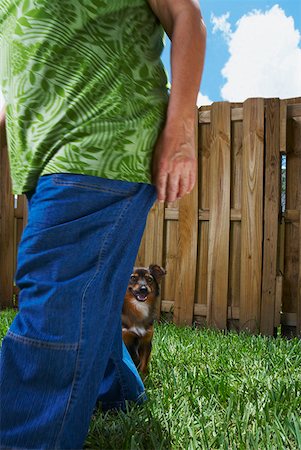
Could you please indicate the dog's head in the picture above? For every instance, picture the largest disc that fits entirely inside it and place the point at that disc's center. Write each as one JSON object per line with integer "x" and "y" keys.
{"x": 144, "y": 282}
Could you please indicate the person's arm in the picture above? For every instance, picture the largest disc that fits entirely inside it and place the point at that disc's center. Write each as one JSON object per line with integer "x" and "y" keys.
{"x": 174, "y": 163}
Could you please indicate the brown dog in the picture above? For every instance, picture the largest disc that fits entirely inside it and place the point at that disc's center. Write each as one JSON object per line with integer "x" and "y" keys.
{"x": 139, "y": 312}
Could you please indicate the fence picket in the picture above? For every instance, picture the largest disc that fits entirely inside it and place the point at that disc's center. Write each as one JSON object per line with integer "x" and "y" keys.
{"x": 272, "y": 198}
{"x": 204, "y": 185}
{"x": 252, "y": 215}
{"x": 7, "y": 231}
{"x": 219, "y": 229}
{"x": 151, "y": 251}
{"x": 235, "y": 225}
{"x": 187, "y": 250}
{"x": 291, "y": 298}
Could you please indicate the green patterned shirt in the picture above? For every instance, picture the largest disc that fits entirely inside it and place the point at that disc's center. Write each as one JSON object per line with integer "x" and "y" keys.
{"x": 84, "y": 86}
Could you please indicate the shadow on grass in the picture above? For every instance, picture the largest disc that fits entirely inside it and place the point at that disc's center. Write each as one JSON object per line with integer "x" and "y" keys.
{"x": 137, "y": 429}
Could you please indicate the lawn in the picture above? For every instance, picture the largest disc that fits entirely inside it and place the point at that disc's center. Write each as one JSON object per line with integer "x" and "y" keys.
{"x": 209, "y": 390}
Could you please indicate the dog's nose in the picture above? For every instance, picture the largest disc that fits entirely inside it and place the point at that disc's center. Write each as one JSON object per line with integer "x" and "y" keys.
{"x": 143, "y": 290}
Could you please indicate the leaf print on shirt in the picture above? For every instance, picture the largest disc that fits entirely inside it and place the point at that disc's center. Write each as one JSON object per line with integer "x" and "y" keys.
{"x": 19, "y": 57}
{"x": 85, "y": 88}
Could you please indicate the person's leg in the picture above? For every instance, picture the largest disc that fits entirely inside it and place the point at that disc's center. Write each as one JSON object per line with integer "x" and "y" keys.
{"x": 121, "y": 382}
{"x": 74, "y": 261}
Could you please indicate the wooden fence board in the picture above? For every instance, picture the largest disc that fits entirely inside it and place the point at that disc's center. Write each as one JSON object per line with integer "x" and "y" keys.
{"x": 187, "y": 255}
{"x": 170, "y": 256}
{"x": 291, "y": 297}
{"x": 204, "y": 164}
{"x": 252, "y": 215}
{"x": 235, "y": 204}
{"x": 202, "y": 272}
{"x": 7, "y": 253}
{"x": 271, "y": 211}
{"x": 151, "y": 247}
{"x": 219, "y": 230}
{"x": 278, "y": 300}
{"x": 187, "y": 251}
{"x": 283, "y": 122}
{"x": 153, "y": 241}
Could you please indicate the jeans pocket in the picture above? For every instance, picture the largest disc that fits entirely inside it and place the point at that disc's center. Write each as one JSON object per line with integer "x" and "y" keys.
{"x": 67, "y": 198}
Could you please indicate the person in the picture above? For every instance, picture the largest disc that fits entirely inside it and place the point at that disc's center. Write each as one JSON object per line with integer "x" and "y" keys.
{"x": 94, "y": 137}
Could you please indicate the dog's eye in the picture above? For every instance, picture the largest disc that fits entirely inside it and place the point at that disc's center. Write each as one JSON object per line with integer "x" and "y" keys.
{"x": 133, "y": 278}
{"x": 149, "y": 279}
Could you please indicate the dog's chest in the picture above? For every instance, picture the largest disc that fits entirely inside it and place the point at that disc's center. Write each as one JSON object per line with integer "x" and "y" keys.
{"x": 141, "y": 308}
{"x": 139, "y": 331}
{"x": 137, "y": 316}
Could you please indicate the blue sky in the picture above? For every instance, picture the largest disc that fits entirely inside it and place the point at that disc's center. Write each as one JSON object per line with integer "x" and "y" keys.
{"x": 261, "y": 49}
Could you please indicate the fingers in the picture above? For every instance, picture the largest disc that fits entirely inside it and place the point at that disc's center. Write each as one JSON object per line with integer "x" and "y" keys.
{"x": 161, "y": 184}
{"x": 173, "y": 172}
{"x": 171, "y": 187}
{"x": 184, "y": 184}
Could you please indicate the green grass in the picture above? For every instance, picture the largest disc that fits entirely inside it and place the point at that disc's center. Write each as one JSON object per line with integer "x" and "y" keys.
{"x": 6, "y": 318}
{"x": 209, "y": 390}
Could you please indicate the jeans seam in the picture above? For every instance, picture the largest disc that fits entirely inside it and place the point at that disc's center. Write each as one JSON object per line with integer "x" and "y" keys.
{"x": 77, "y": 364}
{"x": 92, "y": 187}
{"x": 42, "y": 344}
{"x": 123, "y": 386}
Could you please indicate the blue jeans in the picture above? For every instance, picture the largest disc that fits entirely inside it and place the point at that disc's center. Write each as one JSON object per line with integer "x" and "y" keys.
{"x": 64, "y": 351}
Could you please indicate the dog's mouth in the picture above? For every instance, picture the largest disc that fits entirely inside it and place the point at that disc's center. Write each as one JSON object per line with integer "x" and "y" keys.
{"x": 140, "y": 296}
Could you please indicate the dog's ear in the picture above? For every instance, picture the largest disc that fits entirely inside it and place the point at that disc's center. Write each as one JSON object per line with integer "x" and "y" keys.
{"x": 157, "y": 272}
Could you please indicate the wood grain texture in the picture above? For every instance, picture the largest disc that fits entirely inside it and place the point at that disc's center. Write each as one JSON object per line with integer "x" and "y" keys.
{"x": 235, "y": 213}
{"x": 7, "y": 254}
{"x": 283, "y": 122}
{"x": 291, "y": 296}
{"x": 187, "y": 252}
{"x": 219, "y": 230}
{"x": 204, "y": 167}
{"x": 170, "y": 258}
{"x": 252, "y": 215}
{"x": 272, "y": 200}
{"x": 151, "y": 246}
{"x": 278, "y": 300}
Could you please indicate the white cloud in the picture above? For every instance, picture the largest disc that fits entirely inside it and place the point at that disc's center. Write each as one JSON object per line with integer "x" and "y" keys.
{"x": 222, "y": 24}
{"x": 265, "y": 57}
{"x": 203, "y": 100}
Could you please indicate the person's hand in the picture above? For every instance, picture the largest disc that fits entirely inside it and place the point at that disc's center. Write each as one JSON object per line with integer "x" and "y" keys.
{"x": 174, "y": 162}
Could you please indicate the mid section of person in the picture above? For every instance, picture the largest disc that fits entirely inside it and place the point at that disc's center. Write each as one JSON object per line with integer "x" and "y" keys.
{"x": 93, "y": 138}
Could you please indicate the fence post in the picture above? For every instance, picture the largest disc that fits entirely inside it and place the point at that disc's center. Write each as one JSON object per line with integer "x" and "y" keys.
{"x": 187, "y": 251}
{"x": 252, "y": 215}
{"x": 271, "y": 215}
{"x": 6, "y": 225}
{"x": 219, "y": 225}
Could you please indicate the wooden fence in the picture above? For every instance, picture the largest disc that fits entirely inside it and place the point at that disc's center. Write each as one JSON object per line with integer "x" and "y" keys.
{"x": 231, "y": 251}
